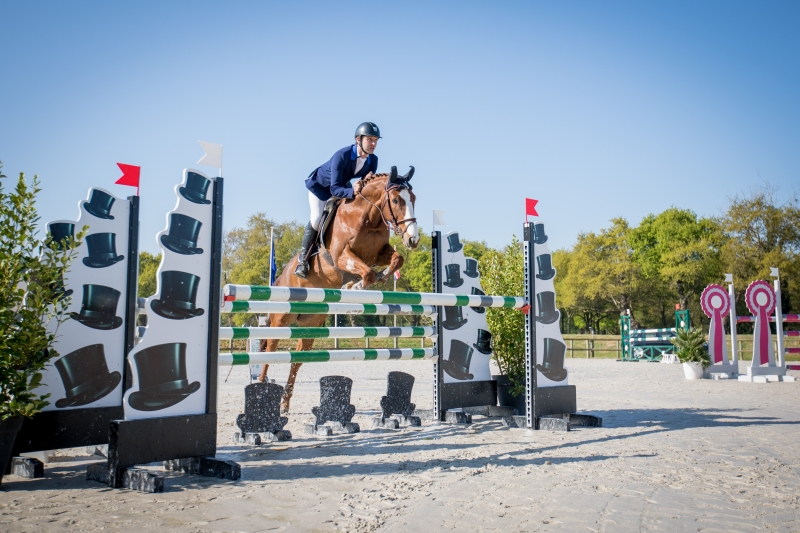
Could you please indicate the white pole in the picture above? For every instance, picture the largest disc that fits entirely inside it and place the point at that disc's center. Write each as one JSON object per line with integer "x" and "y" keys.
{"x": 734, "y": 323}
{"x": 271, "y": 251}
{"x": 778, "y": 316}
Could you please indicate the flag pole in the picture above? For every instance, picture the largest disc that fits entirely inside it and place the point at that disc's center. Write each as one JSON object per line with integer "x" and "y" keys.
{"x": 271, "y": 251}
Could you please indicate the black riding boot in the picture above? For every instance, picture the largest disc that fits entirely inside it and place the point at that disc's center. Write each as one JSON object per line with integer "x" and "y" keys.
{"x": 310, "y": 235}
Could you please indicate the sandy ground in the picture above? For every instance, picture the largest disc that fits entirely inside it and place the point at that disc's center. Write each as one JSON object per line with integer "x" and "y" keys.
{"x": 674, "y": 455}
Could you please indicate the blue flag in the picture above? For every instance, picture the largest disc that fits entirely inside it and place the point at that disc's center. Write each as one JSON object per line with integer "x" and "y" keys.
{"x": 272, "y": 266}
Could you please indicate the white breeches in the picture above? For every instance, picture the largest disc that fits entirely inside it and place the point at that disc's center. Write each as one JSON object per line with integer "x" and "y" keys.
{"x": 317, "y": 207}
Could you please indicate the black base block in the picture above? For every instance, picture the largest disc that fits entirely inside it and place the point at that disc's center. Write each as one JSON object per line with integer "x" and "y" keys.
{"x": 457, "y": 417}
{"x": 555, "y": 400}
{"x": 491, "y": 410}
{"x": 145, "y": 441}
{"x": 130, "y": 478}
{"x": 27, "y": 467}
{"x": 73, "y": 428}
{"x": 220, "y": 468}
{"x": 468, "y": 394}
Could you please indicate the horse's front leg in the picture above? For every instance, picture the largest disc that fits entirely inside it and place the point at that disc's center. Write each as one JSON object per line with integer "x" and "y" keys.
{"x": 352, "y": 263}
{"x": 388, "y": 256}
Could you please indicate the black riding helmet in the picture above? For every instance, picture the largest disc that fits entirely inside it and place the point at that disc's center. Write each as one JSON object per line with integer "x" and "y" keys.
{"x": 369, "y": 129}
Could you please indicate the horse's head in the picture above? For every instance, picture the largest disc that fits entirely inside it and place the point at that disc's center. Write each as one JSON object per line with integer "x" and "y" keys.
{"x": 400, "y": 207}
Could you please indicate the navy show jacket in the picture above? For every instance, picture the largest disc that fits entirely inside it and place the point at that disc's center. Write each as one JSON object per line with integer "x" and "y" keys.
{"x": 333, "y": 177}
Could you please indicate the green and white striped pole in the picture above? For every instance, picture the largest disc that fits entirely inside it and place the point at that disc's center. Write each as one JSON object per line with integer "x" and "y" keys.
{"x": 312, "y": 308}
{"x": 324, "y": 333}
{"x": 325, "y": 356}
{"x": 291, "y": 294}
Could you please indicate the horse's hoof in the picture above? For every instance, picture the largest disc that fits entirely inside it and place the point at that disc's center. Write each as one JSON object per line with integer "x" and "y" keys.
{"x": 284, "y": 410}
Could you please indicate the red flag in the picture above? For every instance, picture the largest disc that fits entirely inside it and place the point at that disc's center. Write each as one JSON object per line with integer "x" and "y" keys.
{"x": 130, "y": 176}
{"x": 396, "y": 274}
{"x": 530, "y": 207}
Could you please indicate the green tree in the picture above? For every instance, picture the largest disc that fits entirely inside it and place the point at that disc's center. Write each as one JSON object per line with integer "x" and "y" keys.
{"x": 502, "y": 273}
{"x": 679, "y": 249}
{"x": 761, "y": 233}
{"x": 34, "y": 302}
{"x": 148, "y": 267}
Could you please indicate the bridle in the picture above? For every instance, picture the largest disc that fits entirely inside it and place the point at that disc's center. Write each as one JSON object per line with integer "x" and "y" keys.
{"x": 394, "y": 225}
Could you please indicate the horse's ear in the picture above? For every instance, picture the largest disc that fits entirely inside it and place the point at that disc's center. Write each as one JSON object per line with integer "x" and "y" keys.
{"x": 408, "y": 176}
{"x": 393, "y": 175}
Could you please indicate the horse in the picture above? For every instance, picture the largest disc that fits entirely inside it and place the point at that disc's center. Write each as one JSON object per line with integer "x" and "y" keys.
{"x": 356, "y": 240}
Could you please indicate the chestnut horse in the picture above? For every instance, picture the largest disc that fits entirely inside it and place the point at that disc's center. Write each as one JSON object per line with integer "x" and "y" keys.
{"x": 356, "y": 241}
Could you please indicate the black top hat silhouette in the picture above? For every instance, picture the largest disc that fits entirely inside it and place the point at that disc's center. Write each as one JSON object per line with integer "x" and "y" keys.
{"x": 547, "y": 307}
{"x": 454, "y": 278}
{"x": 472, "y": 268}
{"x": 196, "y": 188}
{"x": 99, "y": 307}
{"x": 453, "y": 317}
{"x": 454, "y": 243}
{"x": 182, "y": 237}
{"x": 484, "y": 342}
{"x": 85, "y": 376}
{"x": 60, "y": 231}
{"x": 162, "y": 377}
{"x": 178, "y": 296}
{"x": 546, "y": 270}
{"x": 477, "y": 291}
{"x": 457, "y": 364}
{"x": 99, "y": 204}
{"x": 102, "y": 250}
{"x": 553, "y": 360}
{"x": 262, "y": 409}
{"x": 538, "y": 234}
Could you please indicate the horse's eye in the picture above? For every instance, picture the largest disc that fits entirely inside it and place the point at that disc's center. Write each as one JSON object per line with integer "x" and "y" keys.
{"x": 394, "y": 201}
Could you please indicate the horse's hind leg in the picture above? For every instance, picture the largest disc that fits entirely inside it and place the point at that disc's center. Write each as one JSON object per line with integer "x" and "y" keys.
{"x": 302, "y": 345}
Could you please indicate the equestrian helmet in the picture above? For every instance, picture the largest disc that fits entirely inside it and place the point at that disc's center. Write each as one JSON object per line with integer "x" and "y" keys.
{"x": 369, "y": 129}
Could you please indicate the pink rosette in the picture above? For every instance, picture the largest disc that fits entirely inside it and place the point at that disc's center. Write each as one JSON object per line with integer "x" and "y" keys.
{"x": 715, "y": 303}
{"x": 760, "y": 300}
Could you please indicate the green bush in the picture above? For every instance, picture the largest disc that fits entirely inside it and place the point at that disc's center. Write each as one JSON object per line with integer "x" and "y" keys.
{"x": 32, "y": 296}
{"x": 502, "y": 274}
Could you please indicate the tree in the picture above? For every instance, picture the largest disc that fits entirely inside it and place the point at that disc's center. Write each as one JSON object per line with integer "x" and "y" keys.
{"x": 679, "y": 249}
{"x": 148, "y": 267}
{"x": 762, "y": 233}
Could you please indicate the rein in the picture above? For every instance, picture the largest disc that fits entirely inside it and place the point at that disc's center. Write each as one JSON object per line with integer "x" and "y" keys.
{"x": 394, "y": 225}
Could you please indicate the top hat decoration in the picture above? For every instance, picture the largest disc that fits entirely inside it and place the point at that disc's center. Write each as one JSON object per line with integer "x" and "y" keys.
{"x": 538, "y": 234}
{"x": 716, "y": 303}
{"x": 453, "y": 317}
{"x": 484, "y": 342}
{"x": 162, "y": 377}
{"x": 85, "y": 376}
{"x": 453, "y": 243}
{"x": 546, "y": 270}
{"x": 472, "y": 268}
{"x": 478, "y": 292}
{"x": 553, "y": 360}
{"x": 196, "y": 188}
{"x": 59, "y": 232}
{"x": 178, "y": 296}
{"x": 457, "y": 365}
{"x": 183, "y": 233}
{"x": 454, "y": 278}
{"x": 99, "y": 307}
{"x": 99, "y": 204}
{"x": 546, "y": 305}
{"x": 102, "y": 250}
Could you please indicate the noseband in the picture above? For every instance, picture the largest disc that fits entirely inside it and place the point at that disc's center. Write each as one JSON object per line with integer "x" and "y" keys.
{"x": 394, "y": 225}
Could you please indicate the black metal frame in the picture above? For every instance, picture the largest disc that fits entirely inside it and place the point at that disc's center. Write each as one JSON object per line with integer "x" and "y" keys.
{"x": 530, "y": 326}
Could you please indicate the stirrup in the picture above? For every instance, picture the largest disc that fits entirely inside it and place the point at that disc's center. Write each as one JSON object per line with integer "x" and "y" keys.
{"x": 301, "y": 270}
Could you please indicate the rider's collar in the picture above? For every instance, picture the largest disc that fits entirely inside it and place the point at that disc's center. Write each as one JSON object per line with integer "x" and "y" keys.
{"x": 354, "y": 153}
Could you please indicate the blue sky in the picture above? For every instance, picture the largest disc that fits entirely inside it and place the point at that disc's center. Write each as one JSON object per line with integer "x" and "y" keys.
{"x": 597, "y": 109}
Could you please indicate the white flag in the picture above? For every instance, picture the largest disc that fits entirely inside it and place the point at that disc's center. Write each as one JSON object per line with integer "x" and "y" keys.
{"x": 213, "y": 157}
{"x": 438, "y": 218}
{"x": 773, "y": 272}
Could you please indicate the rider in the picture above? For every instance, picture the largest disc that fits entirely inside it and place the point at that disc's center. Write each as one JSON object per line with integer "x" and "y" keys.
{"x": 332, "y": 179}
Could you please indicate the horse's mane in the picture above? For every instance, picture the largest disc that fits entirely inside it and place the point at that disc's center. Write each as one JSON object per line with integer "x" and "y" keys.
{"x": 373, "y": 177}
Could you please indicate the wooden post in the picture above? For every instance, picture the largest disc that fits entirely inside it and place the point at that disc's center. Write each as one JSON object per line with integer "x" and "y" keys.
{"x": 572, "y": 347}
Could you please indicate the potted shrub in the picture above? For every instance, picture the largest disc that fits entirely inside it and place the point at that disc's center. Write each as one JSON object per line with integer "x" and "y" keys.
{"x": 692, "y": 352}
{"x": 503, "y": 273}
{"x": 33, "y": 296}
